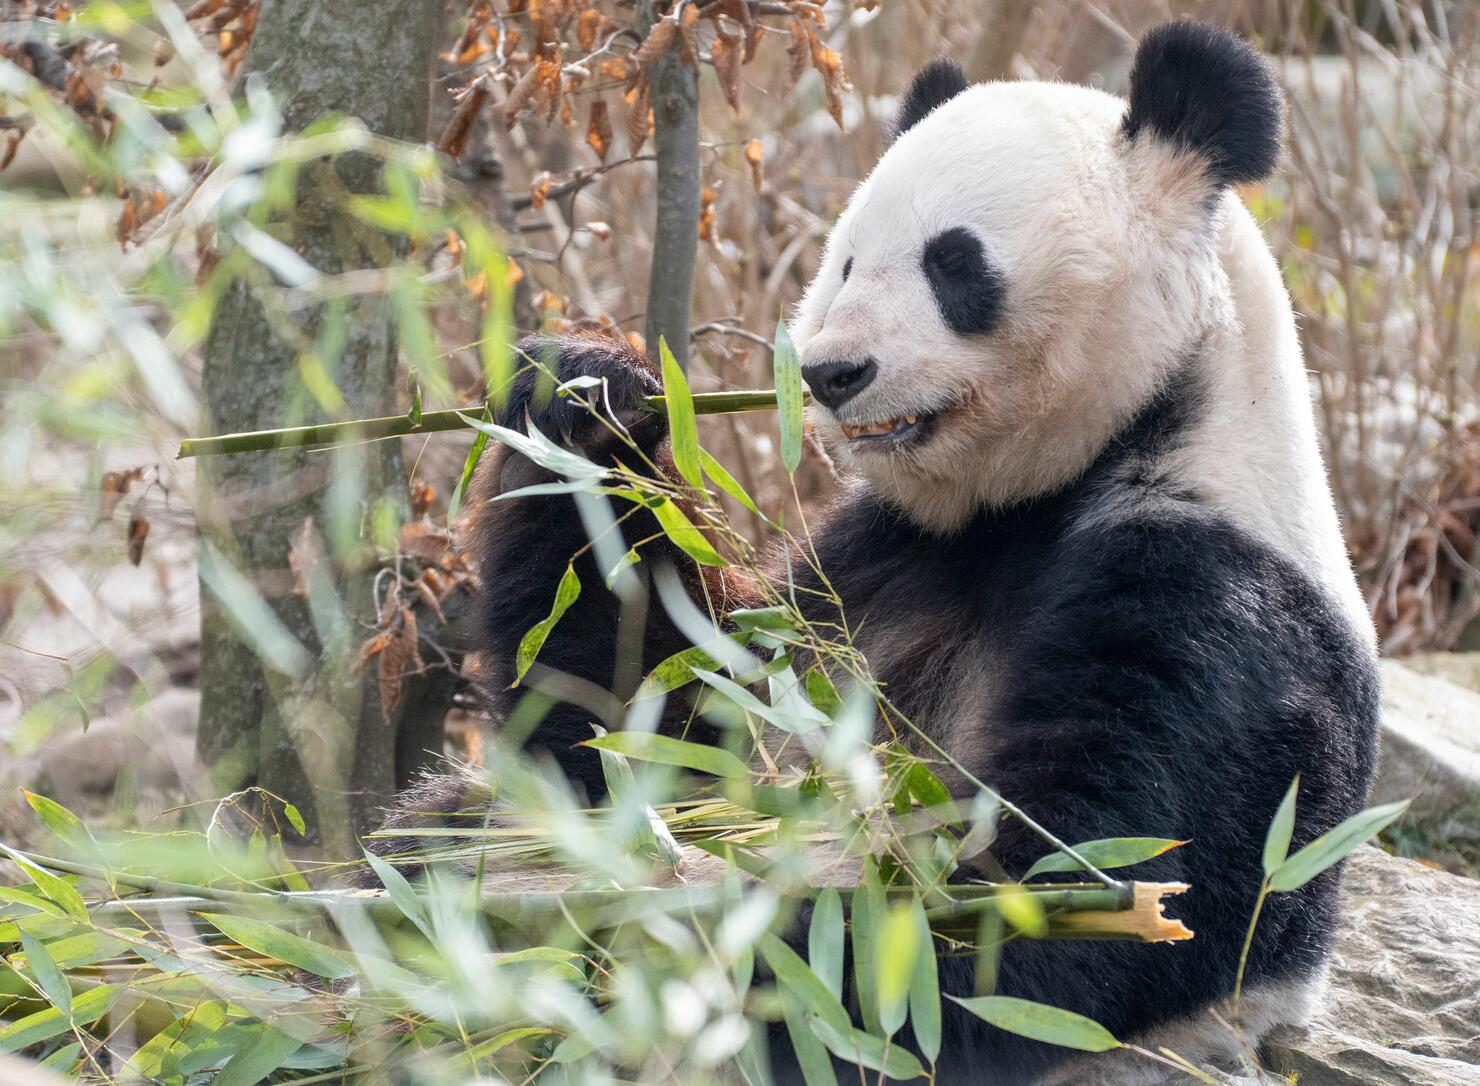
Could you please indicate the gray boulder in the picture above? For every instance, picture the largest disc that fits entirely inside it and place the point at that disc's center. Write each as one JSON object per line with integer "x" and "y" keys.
{"x": 1403, "y": 1006}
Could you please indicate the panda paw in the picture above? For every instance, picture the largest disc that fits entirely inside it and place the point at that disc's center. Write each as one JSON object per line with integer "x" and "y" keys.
{"x": 626, "y": 377}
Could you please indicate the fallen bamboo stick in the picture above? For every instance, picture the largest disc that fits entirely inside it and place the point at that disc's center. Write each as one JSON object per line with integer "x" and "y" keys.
{"x": 430, "y": 422}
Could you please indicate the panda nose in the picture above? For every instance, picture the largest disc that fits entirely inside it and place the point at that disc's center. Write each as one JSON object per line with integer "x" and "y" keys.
{"x": 835, "y": 383}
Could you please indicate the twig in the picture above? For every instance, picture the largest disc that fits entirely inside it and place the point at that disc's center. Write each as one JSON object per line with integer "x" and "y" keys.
{"x": 431, "y": 422}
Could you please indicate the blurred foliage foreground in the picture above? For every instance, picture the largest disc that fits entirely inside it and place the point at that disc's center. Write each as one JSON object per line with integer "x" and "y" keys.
{"x": 589, "y": 954}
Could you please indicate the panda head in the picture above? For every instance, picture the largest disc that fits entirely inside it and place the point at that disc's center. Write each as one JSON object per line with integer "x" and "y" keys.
{"x": 1026, "y": 267}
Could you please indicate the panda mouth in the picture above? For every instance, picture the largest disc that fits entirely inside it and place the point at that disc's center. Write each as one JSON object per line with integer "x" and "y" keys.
{"x": 894, "y": 431}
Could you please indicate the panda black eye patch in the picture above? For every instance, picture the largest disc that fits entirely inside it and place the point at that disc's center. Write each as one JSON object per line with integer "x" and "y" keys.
{"x": 967, "y": 288}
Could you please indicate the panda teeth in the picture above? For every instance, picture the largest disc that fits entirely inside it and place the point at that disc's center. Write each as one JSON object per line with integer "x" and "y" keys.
{"x": 875, "y": 429}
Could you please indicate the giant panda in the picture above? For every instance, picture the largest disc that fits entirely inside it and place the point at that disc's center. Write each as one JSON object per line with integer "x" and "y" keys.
{"x": 1087, "y": 536}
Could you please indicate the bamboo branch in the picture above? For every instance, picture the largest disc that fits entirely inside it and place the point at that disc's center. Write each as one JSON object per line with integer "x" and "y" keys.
{"x": 431, "y": 422}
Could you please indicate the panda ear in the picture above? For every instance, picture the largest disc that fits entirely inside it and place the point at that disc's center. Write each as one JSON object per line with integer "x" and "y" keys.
{"x": 936, "y": 83}
{"x": 1208, "y": 91}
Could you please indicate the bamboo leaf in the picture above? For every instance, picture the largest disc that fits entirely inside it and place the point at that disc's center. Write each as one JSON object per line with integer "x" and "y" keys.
{"x": 534, "y": 638}
{"x": 48, "y": 976}
{"x": 795, "y": 976}
{"x": 800, "y": 717}
{"x": 1333, "y": 846}
{"x": 649, "y": 747}
{"x": 400, "y": 892}
{"x": 1020, "y": 909}
{"x": 283, "y": 945}
{"x": 825, "y": 940}
{"x": 295, "y": 819}
{"x": 683, "y": 432}
{"x": 1281, "y": 828}
{"x": 87, "y": 1008}
{"x": 727, "y": 482}
{"x": 61, "y": 822}
{"x": 459, "y": 492}
{"x": 869, "y": 905}
{"x": 677, "y": 526}
{"x": 58, "y": 890}
{"x": 811, "y": 1053}
{"x": 1107, "y": 852}
{"x": 261, "y": 1050}
{"x": 537, "y": 447}
{"x": 924, "y": 986}
{"x": 896, "y": 960}
{"x": 857, "y": 1047}
{"x": 1041, "y": 1022}
{"x": 788, "y": 373}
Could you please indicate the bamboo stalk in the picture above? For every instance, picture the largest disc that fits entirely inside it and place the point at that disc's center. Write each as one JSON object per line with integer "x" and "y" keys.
{"x": 431, "y": 422}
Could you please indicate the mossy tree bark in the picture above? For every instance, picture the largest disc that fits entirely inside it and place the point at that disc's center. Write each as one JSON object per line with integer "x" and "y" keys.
{"x": 313, "y": 733}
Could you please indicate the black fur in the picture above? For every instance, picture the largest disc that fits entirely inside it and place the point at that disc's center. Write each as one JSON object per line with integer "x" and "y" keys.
{"x": 1153, "y": 670}
{"x": 936, "y": 83}
{"x": 968, "y": 288}
{"x": 1207, "y": 90}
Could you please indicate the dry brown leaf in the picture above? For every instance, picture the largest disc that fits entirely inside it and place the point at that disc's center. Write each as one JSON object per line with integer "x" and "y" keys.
{"x": 113, "y": 486}
{"x": 138, "y": 533}
{"x": 460, "y": 127}
{"x": 659, "y": 38}
{"x": 520, "y": 93}
{"x": 616, "y": 68}
{"x": 755, "y": 157}
{"x": 423, "y": 539}
{"x": 688, "y": 29}
{"x": 372, "y": 648}
{"x": 423, "y": 495}
{"x": 639, "y": 114}
{"x": 706, "y": 213}
{"x": 398, "y": 658}
{"x": 540, "y": 189}
{"x": 429, "y": 596}
{"x": 724, "y": 54}
{"x": 588, "y": 28}
{"x": 599, "y": 129}
{"x": 798, "y": 52}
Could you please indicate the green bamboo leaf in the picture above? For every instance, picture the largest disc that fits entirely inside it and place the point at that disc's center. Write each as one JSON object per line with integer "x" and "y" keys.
{"x": 260, "y": 1050}
{"x": 87, "y": 1008}
{"x": 676, "y": 671}
{"x": 1105, "y": 853}
{"x": 1020, "y": 909}
{"x": 86, "y": 948}
{"x": 1277, "y": 840}
{"x": 924, "y": 987}
{"x": 537, "y": 447}
{"x": 64, "y": 1060}
{"x": 798, "y": 717}
{"x": 680, "y": 529}
{"x": 400, "y": 892}
{"x": 683, "y": 431}
{"x": 649, "y": 747}
{"x": 822, "y": 693}
{"x": 825, "y": 940}
{"x": 788, "y": 373}
{"x": 57, "y": 889}
{"x": 273, "y": 941}
{"x": 811, "y": 1053}
{"x": 778, "y": 618}
{"x": 295, "y": 819}
{"x": 48, "y": 976}
{"x": 1331, "y": 847}
{"x": 797, "y": 977}
{"x": 61, "y": 822}
{"x": 896, "y": 958}
{"x": 727, "y": 482}
{"x": 869, "y": 905}
{"x": 857, "y": 1047}
{"x": 472, "y": 1056}
{"x": 534, "y": 638}
{"x": 1041, "y": 1022}
{"x": 459, "y": 492}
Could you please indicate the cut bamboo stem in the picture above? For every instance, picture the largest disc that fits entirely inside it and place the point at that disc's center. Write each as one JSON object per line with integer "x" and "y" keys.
{"x": 430, "y": 422}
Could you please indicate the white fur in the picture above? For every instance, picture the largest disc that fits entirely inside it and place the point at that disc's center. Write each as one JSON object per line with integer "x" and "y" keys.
{"x": 1116, "y": 270}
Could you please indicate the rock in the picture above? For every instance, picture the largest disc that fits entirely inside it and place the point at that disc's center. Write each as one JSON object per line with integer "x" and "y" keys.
{"x": 1403, "y": 1007}
{"x": 1458, "y": 667}
{"x": 154, "y": 743}
{"x": 1431, "y": 749}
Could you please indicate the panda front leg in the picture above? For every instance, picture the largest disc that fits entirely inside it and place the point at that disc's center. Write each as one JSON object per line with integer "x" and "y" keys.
{"x": 603, "y": 645}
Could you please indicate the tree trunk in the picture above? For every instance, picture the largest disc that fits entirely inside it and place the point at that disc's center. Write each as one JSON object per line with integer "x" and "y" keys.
{"x": 676, "y": 229}
{"x": 313, "y": 734}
